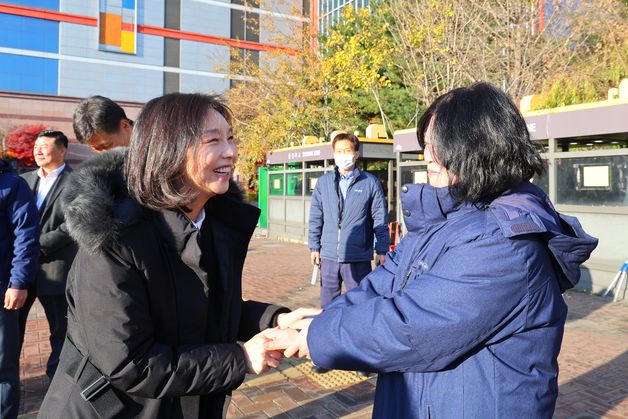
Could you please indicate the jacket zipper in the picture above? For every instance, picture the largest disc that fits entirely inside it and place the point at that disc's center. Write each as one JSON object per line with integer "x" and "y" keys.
{"x": 338, "y": 245}
{"x": 341, "y": 208}
{"x": 406, "y": 279}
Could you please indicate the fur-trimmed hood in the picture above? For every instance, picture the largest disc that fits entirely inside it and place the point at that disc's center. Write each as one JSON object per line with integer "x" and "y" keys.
{"x": 98, "y": 204}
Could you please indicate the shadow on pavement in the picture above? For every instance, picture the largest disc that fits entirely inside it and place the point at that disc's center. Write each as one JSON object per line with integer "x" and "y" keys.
{"x": 334, "y": 405}
{"x": 581, "y": 305}
{"x": 32, "y": 392}
{"x": 603, "y": 387}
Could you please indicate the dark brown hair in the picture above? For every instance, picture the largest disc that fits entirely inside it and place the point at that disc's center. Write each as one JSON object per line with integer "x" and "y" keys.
{"x": 346, "y": 136}
{"x": 162, "y": 134}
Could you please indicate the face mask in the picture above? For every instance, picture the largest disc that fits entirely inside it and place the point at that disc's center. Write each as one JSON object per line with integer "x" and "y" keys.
{"x": 344, "y": 161}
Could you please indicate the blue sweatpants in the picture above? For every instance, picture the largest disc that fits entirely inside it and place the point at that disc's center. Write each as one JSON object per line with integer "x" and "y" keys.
{"x": 333, "y": 274}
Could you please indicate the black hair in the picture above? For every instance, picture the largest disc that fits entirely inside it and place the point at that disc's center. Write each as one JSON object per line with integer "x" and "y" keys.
{"x": 60, "y": 138}
{"x": 163, "y": 132}
{"x": 96, "y": 113}
{"x": 346, "y": 136}
{"x": 479, "y": 136}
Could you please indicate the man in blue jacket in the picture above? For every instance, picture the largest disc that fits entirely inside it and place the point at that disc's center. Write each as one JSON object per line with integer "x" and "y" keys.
{"x": 348, "y": 211}
{"x": 19, "y": 227}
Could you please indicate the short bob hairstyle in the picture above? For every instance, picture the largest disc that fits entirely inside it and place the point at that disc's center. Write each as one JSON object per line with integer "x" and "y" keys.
{"x": 479, "y": 136}
{"x": 165, "y": 130}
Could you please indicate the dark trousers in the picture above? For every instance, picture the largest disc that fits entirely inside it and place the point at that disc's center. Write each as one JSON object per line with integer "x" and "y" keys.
{"x": 333, "y": 274}
{"x": 56, "y": 309}
{"x": 9, "y": 363}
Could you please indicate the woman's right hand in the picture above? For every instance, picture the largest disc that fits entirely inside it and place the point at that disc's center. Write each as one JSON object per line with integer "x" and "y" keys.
{"x": 258, "y": 358}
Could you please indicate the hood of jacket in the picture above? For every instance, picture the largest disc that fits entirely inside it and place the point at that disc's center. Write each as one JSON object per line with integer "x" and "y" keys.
{"x": 525, "y": 209}
{"x": 98, "y": 204}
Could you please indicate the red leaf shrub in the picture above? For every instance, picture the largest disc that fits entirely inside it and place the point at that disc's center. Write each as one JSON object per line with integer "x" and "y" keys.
{"x": 20, "y": 140}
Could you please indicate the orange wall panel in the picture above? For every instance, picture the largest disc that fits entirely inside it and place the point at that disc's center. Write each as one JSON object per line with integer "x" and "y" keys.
{"x": 110, "y": 29}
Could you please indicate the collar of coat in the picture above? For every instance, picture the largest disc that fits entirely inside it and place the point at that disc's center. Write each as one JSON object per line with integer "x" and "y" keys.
{"x": 522, "y": 210}
{"x": 98, "y": 204}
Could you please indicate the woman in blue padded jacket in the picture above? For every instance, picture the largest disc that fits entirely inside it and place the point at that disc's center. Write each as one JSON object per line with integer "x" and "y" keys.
{"x": 466, "y": 317}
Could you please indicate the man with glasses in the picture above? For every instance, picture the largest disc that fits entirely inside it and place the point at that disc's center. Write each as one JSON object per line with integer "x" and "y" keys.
{"x": 56, "y": 248}
{"x": 101, "y": 123}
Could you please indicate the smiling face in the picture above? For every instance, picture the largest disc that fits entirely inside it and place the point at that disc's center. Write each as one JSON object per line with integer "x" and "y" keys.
{"x": 210, "y": 166}
{"x": 437, "y": 174}
{"x": 48, "y": 155}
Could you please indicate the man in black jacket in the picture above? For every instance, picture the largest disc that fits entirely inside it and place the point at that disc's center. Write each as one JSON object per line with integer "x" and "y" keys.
{"x": 57, "y": 249}
{"x": 101, "y": 123}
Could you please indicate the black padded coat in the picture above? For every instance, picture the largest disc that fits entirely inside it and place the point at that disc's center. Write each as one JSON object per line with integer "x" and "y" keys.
{"x": 139, "y": 303}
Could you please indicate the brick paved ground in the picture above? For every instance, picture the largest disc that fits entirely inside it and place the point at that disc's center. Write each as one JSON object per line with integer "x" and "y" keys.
{"x": 593, "y": 381}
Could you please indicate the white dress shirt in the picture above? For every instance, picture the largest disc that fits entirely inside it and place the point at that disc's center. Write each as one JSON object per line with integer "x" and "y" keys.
{"x": 46, "y": 183}
{"x": 198, "y": 223}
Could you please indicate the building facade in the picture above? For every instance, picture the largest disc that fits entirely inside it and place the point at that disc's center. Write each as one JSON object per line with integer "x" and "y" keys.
{"x": 135, "y": 50}
{"x": 329, "y": 11}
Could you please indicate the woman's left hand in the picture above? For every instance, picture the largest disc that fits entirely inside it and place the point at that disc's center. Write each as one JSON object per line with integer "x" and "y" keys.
{"x": 289, "y": 341}
{"x": 259, "y": 358}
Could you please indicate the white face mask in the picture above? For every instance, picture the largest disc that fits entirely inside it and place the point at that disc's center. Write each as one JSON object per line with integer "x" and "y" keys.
{"x": 344, "y": 161}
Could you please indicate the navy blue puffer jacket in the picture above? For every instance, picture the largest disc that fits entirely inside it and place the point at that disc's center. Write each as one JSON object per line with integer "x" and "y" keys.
{"x": 344, "y": 231}
{"x": 465, "y": 319}
{"x": 19, "y": 232}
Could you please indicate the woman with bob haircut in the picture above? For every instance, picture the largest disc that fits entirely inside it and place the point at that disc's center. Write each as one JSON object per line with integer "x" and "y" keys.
{"x": 155, "y": 311}
{"x": 465, "y": 319}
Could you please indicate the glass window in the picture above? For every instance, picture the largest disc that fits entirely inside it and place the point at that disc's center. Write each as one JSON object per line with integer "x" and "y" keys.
{"x": 542, "y": 181}
{"x": 592, "y": 181}
{"x": 375, "y": 165}
{"x": 591, "y": 143}
{"x": 310, "y": 181}
{"x": 318, "y": 164}
{"x": 413, "y": 174}
{"x": 294, "y": 166}
{"x": 275, "y": 167}
{"x": 276, "y": 184}
{"x": 294, "y": 184}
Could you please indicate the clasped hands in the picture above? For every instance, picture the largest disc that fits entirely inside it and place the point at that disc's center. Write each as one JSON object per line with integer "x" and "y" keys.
{"x": 267, "y": 348}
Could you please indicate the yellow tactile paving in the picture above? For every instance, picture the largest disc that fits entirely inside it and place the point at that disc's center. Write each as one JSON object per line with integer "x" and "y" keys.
{"x": 330, "y": 379}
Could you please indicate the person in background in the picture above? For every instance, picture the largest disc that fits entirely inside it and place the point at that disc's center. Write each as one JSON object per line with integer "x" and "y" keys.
{"x": 347, "y": 213}
{"x": 56, "y": 247}
{"x": 19, "y": 248}
{"x": 466, "y": 317}
{"x": 101, "y": 123}
{"x": 157, "y": 327}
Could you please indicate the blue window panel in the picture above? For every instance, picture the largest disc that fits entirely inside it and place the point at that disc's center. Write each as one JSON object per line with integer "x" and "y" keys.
{"x": 28, "y": 74}
{"x": 128, "y": 4}
{"x": 29, "y": 33}
{"x": 37, "y": 4}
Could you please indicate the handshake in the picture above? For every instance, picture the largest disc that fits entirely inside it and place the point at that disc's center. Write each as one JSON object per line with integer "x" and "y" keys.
{"x": 289, "y": 338}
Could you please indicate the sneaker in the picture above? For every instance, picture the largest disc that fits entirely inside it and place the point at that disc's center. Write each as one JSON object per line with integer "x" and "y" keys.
{"x": 319, "y": 370}
{"x": 363, "y": 374}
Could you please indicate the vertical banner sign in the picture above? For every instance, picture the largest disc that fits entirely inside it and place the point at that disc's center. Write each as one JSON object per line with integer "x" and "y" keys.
{"x": 117, "y": 24}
